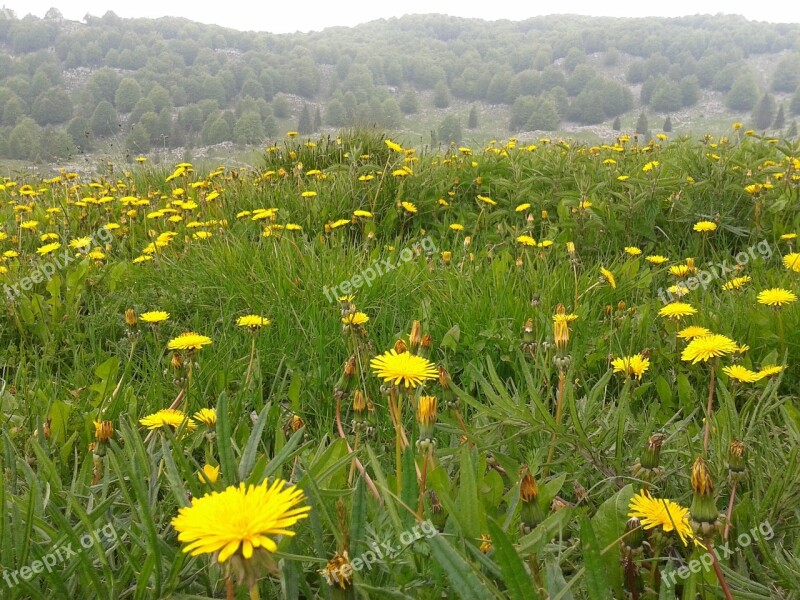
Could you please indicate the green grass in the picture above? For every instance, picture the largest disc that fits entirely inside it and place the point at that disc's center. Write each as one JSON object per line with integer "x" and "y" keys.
{"x": 68, "y": 359}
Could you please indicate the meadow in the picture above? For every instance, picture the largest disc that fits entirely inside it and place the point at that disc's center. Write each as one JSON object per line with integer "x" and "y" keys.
{"x": 534, "y": 369}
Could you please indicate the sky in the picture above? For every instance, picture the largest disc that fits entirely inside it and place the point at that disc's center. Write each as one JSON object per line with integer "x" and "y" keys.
{"x": 315, "y": 15}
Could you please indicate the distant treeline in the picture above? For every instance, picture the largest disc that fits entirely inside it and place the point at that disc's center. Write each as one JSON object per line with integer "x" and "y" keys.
{"x": 69, "y": 87}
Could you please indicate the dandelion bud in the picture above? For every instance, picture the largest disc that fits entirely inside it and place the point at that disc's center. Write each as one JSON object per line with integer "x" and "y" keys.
{"x": 634, "y": 535}
{"x": 527, "y": 332}
{"x": 560, "y": 328}
{"x": 703, "y": 510}
{"x": 130, "y": 318}
{"x": 737, "y": 462}
{"x": 359, "y": 402}
{"x": 608, "y": 310}
{"x": 447, "y": 256}
{"x": 648, "y": 466}
{"x": 177, "y": 361}
{"x": 415, "y": 337}
{"x": 621, "y": 305}
{"x": 400, "y": 347}
{"x": 532, "y": 513}
{"x": 297, "y": 422}
{"x": 426, "y": 416}
{"x": 571, "y": 249}
{"x": 467, "y": 241}
{"x": 486, "y": 543}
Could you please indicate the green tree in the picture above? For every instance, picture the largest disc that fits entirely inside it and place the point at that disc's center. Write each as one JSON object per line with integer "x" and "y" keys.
{"x": 13, "y": 111}
{"x": 792, "y": 131}
{"x": 53, "y": 107}
{"x": 545, "y": 116}
{"x": 642, "y": 125}
{"x": 248, "y": 130}
{"x": 142, "y": 106}
{"x": 191, "y": 118}
{"x": 667, "y": 127}
{"x": 780, "y": 119}
{"x": 216, "y": 130}
{"x": 104, "y": 120}
{"x": 764, "y": 112}
{"x": 617, "y": 124}
{"x": 128, "y": 93}
{"x": 59, "y": 145}
{"x": 138, "y": 140}
{"x": 80, "y": 132}
{"x": 472, "y": 120}
{"x": 392, "y": 116}
{"x": 25, "y": 139}
{"x": 743, "y": 94}
{"x": 318, "y": 118}
{"x": 786, "y": 77}
{"x": 794, "y": 104}
{"x": 690, "y": 90}
{"x": 160, "y": 98}
{"x": 667, "y": 96}
{"x": 521, "y": 111}
{"x": 441, "y": 95}
{"x": 409, "y": 103}
{"x": 281, "y": 107}
{"x": 335, "y": 114}
{"x": 450, "y": 130}
{"x": 103, "y": 84}
{"x": 304, "y": 123}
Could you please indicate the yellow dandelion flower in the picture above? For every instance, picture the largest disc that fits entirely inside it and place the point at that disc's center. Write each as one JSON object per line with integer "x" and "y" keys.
{"x": 677, "y": 310}
{"x": 776, "y": 297}
{"x": 457, "y": 227}
{"x": 656, "y": 259}
{"x": 768, "y": 371}
{"x": 609, "y": 277}
{"x": 740, "y": 373}
{"x": 154, "y": 316}
{"x": 169, "y": 417}
{"x": 792, "y": 261}
{"x": 487, "y": 200}
{"x": 209, "y": 474}
{"x": 526, "y": 240}
{"x": 355, "y": 318}
{"x": 632, "y": 250}
{"x": 206, "y": 416}
{"x": 693, "y": 331}
{"x": 252, "y": 322}
{"x": 240, "y": 519}
{"x": 522, "y": 207}
{"x": 410, "y": 207}
{"x": 660, "y": 512}
{"x": 704, "y": 226}
{"x": 736, "y": 283}
{"x": 403, "y": 369}
{"x": 188, "y": 341}
{"x": 631, "y": 366}
{"x": 709, "y": 346}
{"x": 48, "y": 248}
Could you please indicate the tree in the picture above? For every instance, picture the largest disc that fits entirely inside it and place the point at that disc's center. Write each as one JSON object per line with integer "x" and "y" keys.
{"x": 304, "y": 123}
{"x": 248, "y": 130}
{"x": 25, "y": 140}
{"x": 216, "y": 130}
{"x": 780, "y": 119}
{"x": 408, "y": 102}
{"x": 52, "y": 107}
{"x": 521, "y": 111}
{"x": 281, "y": 107}
{"x": 160, "y": 98}
{"x": 128, "y": 93}
{"x": 545, "y": 115}
{"x": 764, "y": 112}
{"x": 792, "y": 132}
{"x": 318, "y": 118}
{"x": 13, "y": 111}
{"x": 104, "y": 120}
{"x": 617, "y": 124}
{"x": 391, "y": 115}
{"x": 450, "y": 130}
{"x": 138, "y": 140}
{"x": 743, "y": 94}
{"x": 690, "y": 90}
{"x": 59, "y": 145}
{"x": 441, "y": 95}
{"x": 641, "y": 124}
{"x": 667, "y": 127}
{"x": 794, "y": 104}
{"x": 80, "y": 132}
{"x": 335, "y": 115}
{"x": 472, "y": 120}
{"x": 667, "y": 96}
{"x": 786, "y": 77}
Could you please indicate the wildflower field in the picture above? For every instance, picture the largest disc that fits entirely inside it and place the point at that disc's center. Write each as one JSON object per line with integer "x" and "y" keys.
{"x": 535, "y": 369}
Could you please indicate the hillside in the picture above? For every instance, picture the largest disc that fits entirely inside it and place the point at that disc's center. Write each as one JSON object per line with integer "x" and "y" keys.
{"x": 128, "y": 86}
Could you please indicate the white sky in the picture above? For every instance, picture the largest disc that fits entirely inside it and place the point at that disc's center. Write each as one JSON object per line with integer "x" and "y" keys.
{"x": 316, "y": 14}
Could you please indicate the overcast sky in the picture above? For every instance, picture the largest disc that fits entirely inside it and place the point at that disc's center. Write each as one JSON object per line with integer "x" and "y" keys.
{"x": 316, "y": 15}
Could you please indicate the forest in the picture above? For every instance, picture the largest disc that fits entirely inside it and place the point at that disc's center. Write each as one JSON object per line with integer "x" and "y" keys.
{"x": 132, "y": 85}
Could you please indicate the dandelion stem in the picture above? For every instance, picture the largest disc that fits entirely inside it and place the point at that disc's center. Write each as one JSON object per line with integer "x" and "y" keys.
{"x": 710, "y": 405}
{"x": 252, "y": 359}
{"x": 559, "y": 413}
{"x": 359, "y": 466}
{"x": 229, "y": 589}
{"x": 422, "y": 483}
{"x": 730, "y": 512}
{"x": 254, "y": 595}
{"x": 718, "y": 570}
